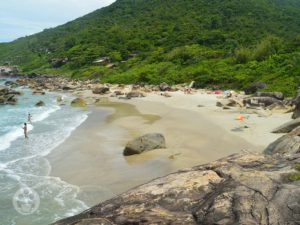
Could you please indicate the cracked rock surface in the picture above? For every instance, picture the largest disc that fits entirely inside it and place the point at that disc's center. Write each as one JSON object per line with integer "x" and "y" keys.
{"x": 285, "y": 145}
{"x": 239, "y": 189}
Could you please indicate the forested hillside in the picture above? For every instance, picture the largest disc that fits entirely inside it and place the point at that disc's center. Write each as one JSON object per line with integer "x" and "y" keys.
{"x": 219, "y": 43}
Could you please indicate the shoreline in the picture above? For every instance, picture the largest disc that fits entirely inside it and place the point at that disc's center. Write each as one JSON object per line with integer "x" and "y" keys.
{"x": 92, "y": 158}
{"x": 196, "y": 131}
{"x": 23, "y": 161}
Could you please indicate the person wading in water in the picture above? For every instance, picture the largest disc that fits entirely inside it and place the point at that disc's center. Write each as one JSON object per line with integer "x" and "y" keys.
{"x": 29, "y": 118}
{"x": 25, "y": 130}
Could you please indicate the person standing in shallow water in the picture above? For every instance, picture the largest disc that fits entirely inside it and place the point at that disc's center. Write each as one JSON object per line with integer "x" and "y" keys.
{"x": 25, "y": 130}
{"x": 29, "y": 118}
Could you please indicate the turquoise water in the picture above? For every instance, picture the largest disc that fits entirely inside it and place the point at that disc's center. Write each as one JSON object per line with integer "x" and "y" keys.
{"x": 23, "y": 163}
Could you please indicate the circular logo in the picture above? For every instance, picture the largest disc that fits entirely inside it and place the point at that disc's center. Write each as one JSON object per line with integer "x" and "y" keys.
{"x": 26, "y": 201}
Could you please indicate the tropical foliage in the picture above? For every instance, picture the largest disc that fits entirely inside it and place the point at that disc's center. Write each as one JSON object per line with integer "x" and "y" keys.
{"x": 224, "y": 44}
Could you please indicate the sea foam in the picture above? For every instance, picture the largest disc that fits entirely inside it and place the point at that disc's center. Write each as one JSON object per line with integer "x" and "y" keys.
{"x": 17, "y": 131}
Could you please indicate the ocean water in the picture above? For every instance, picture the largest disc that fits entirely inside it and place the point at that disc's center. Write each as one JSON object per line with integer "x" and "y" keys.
{"x": 24, "y": 170}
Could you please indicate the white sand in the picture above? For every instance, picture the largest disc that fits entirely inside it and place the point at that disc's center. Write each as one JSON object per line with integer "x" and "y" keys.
{"x": 259, "y": 131}
{"x": 92, "y": 157}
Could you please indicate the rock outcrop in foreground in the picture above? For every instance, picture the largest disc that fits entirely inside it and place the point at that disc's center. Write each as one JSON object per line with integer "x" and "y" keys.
{"x": 287, "y": 144}
{"x": 240, "y": 189}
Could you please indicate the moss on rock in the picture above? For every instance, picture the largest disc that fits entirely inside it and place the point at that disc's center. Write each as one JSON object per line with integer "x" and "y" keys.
{"x": 78, "y": 102}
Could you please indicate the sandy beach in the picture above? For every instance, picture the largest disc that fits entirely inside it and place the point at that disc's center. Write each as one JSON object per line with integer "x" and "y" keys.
{"x": 196, "y": 132}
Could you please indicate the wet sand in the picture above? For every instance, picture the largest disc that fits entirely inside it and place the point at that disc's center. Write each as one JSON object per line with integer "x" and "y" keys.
{"x": 92, "y": 158}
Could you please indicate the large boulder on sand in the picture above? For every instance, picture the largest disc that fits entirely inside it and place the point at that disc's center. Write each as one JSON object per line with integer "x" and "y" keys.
{"x": 287, "y": 127}
{"x": 287, "y": 144}
{"x": 78, "y": 102}
{"x": 145, "y": 143}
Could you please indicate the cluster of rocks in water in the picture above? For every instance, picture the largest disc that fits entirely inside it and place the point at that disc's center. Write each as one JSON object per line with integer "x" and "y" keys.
{"x": 8, "y": 96}
{"x": 39, "y": 83}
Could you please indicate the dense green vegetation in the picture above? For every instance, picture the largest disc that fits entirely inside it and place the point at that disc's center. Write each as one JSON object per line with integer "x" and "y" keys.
{"x": 223, "y": 44}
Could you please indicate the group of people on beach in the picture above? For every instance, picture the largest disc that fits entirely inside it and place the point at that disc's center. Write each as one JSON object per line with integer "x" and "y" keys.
{"x": 29, "y": 120}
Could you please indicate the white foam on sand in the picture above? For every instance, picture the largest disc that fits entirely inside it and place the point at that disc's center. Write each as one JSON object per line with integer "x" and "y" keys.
{"x": 43, "y": 143}
{"x": 64, "y": 132}
{"x": 46, "y": 114}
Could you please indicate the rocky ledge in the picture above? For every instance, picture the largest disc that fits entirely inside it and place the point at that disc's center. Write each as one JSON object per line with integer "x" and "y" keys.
{"x": 239, "y": 189}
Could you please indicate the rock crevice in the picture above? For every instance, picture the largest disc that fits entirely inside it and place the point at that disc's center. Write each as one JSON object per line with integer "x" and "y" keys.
{"x": 239, "y": 189}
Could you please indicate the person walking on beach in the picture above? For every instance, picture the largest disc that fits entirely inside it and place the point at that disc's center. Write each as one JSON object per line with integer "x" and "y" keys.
{"x": 29, "y": 118}
{"x": 25, "y": 130}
